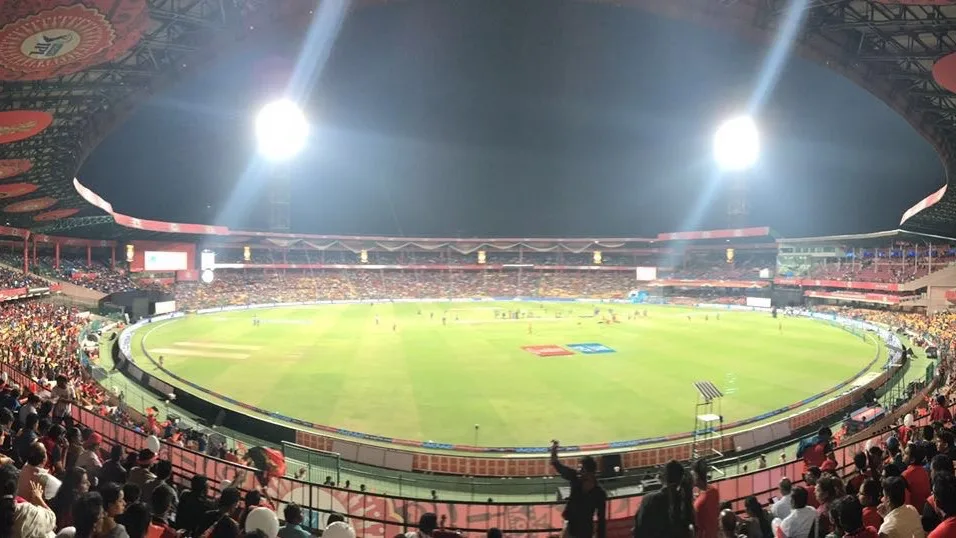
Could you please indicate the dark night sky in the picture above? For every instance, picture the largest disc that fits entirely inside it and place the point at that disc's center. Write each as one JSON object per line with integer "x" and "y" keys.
{"x": 519, "y": 119}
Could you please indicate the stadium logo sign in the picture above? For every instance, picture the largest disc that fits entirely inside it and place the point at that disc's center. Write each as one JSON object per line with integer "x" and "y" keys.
{"x": 45, "y": 41}
{"x": 27, "y": 206}
{"x": 21, "y": 124}
{"x": 547, "y": 350}
{"x": 12, "y": 190}
{"x": 14, "y": 167}
{"x": 590, "y": 348}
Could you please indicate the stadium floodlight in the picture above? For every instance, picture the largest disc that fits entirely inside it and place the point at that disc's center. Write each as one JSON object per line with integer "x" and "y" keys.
{"x": 736, "y": 144}
{"x": 281, "y": 130}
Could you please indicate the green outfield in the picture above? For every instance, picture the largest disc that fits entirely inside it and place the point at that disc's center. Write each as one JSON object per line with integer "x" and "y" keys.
{"x": 396, "y": 370}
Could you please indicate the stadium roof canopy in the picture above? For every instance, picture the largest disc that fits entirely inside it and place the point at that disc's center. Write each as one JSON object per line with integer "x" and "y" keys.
{"x": 71, "y": 70}
{"x": 117, "y": 228}
{"x": 871, "y": 239}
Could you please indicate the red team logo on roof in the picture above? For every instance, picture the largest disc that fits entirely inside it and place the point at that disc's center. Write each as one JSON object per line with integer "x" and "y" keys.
{"x": 26, "y": 206}
{"x": 12, "y": 190}
{"x": 59, "y": 214}
{"x": 59, "y": 37}
{"x": 14, "y": 167}
{"x": 53, "y": 38}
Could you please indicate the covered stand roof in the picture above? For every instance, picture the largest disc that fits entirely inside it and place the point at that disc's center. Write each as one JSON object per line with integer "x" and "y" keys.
{"x": 118, "y": 226}
{"x": 70, "y": 70}
{"x": 875, "y": 239}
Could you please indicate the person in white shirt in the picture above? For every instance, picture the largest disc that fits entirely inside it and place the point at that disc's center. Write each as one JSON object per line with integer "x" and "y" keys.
{"x": 29, "y": 408}
{"x": 35, "y": 473}
{"x": 64, "y": 395}
{"x": 801, "y": 519}
{"x": 900, "y": 520}
{"x": 780, "y": 509}
{"x": 89, "y": 458}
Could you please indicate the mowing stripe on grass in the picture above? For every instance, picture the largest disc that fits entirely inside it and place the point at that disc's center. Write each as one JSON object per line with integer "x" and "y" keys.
{"x": 208, "y": 345}
{"x": 198, "y": 353}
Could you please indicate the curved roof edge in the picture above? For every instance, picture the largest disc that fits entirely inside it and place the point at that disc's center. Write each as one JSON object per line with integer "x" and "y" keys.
{"x": 923, "y": 204}
{"x": 173, "y": 228}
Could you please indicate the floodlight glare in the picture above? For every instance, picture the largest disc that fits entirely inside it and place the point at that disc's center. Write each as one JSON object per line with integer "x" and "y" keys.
{"x": 281, "y": 130}
{"x": 736, "y": 144}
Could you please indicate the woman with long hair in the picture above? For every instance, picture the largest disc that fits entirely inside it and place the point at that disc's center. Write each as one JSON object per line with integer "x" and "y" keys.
{"x": 667, "y": 512}
{"x": 114, "y": 504}
{"x": 828, "y": 489}
{"x": 75, "y": 484}
{"x": 758, "y": 522}
{"x": 707, "y": 503}
{"x": 88, "y": 515}
{"x": 56, "y": 447}
{"x": 74, "y": 446}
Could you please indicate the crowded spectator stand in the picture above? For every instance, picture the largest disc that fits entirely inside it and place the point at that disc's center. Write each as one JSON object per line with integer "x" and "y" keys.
{"x": 40, "y": 343}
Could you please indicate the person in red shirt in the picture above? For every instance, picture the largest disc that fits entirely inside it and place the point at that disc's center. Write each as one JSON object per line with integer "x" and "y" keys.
{"x": 815, "y": 449}
{"x": 916, "y": 476}
{"x": 707, "y": 504}
{"x": 903, "y": 433}
{"x": 855, "y": 481}
{"x": 830, "y": 464}
{"x": 940, "y": 412}
{"x": 944, "y": 491}
{"x": 870, "y": 495}
{"x": 847, "y": 515}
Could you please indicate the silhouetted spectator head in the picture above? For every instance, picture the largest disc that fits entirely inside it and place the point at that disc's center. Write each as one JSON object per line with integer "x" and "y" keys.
{"x": 944, "y": 490}
{"x": 894, "y": 488}
{"x": 428, "y": 523}
{"x": 798, "y": 499}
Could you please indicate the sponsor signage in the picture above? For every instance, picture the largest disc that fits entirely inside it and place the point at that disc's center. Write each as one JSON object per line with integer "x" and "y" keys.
{"x": 549, "y": 350}
{"x": 590, "y": 349}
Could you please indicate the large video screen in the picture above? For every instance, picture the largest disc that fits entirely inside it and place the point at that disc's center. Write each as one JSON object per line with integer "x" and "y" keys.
{"x": 759, "y": 302}
{"x": 647, "y": 274}
{"x": 165, "y": 307}
{"x": 207, "y": 260}
{"x": 165, "y": 261}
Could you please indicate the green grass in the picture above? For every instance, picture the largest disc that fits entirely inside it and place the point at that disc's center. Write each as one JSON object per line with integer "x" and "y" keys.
{"x": 334, "y": 365}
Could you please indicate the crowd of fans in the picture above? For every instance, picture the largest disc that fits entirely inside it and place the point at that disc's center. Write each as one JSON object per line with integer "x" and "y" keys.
{"x": 889, "y": 492}
{"x": 940, "y": 328}
{"x": 873, "y": 272}
{"x": 58, "y": 479}
{"x": 709, "y": 269}
{"x": 232, "y": 288}
{"x": 99, "y": 276}
{"x": 10, "y": 279}
{"x": 442, "y": 257}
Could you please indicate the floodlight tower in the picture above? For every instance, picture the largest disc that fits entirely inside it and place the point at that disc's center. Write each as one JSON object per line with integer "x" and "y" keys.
{"x": 281, "y": 130}
{"x": 736, "y": 148}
